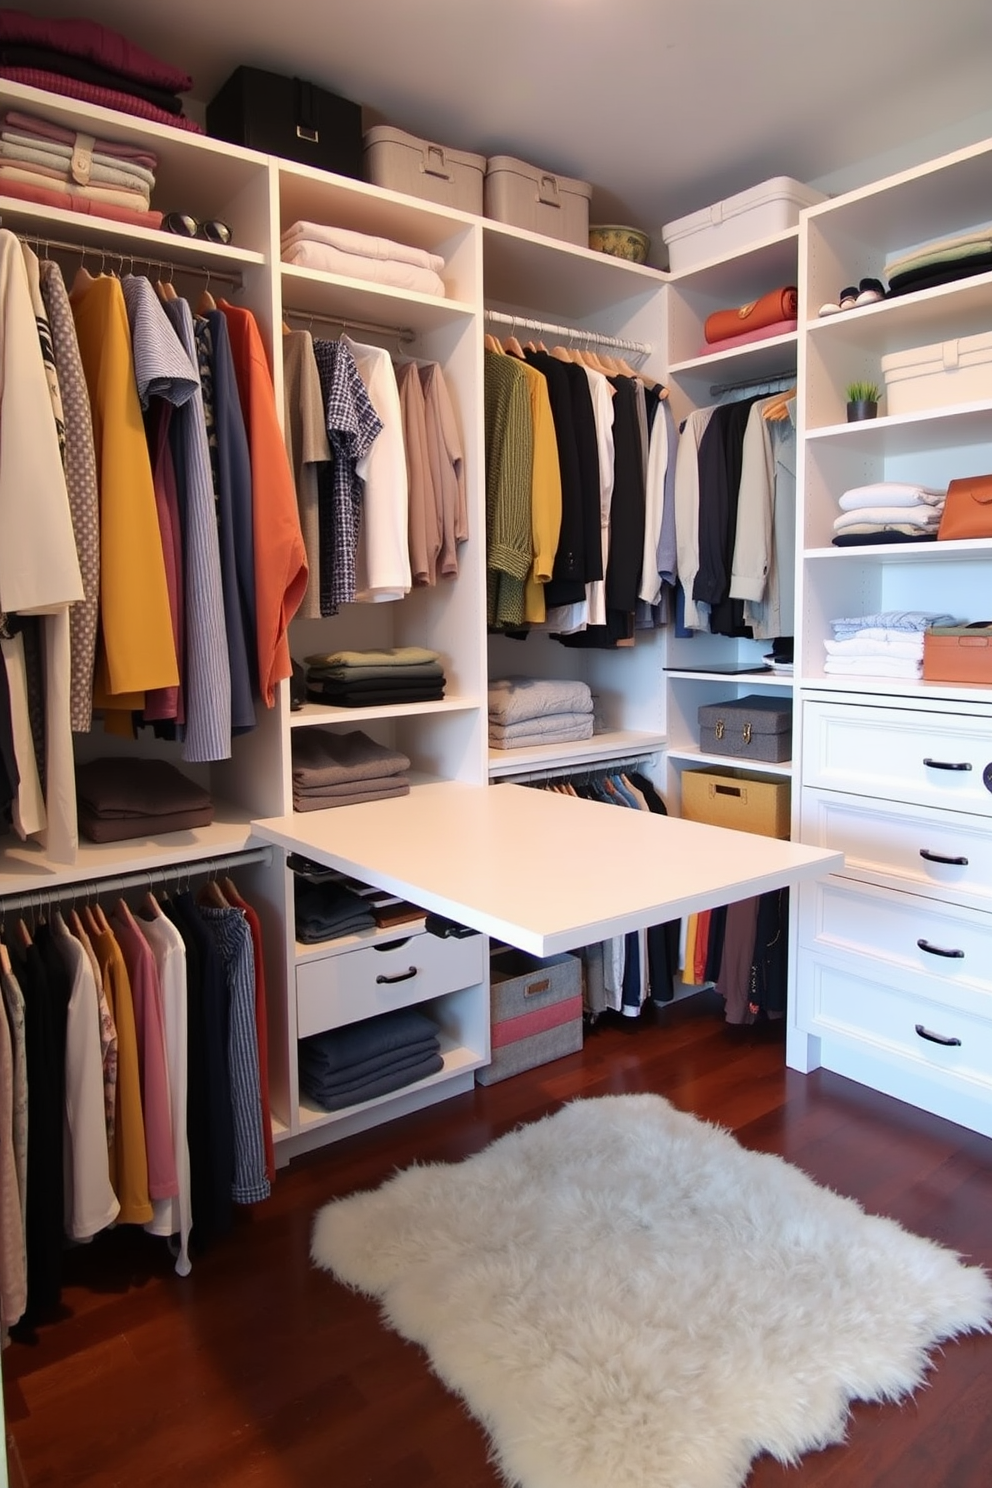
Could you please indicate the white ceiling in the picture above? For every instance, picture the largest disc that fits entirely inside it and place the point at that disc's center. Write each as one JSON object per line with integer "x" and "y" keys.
{"x": 665, "y": 105}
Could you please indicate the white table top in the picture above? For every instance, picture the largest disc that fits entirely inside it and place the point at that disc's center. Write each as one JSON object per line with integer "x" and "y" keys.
{"x": 539, "y": 870}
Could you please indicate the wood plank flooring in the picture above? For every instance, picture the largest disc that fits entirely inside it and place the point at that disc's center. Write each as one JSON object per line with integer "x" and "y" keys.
{"x": 259, "y": 1371}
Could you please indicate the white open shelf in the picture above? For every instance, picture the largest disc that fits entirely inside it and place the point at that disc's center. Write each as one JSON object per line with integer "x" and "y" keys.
{"x": 314, "y": 714}
{"x": 617, "y": 744}
{"x": 690, "y": 755}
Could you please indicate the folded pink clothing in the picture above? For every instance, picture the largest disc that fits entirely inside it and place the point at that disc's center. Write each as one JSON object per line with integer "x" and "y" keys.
{"x": 115, "y": 196}
{"x": 44, "y": 129}
{"x": 54, "y": 198}
{"x": 81, "y": 38}
{"x": 124, "y": 103}
{"x": 778, "y": 328}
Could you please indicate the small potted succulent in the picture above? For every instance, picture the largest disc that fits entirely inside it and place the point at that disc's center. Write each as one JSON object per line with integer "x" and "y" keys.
{"x": 862, "y": 401}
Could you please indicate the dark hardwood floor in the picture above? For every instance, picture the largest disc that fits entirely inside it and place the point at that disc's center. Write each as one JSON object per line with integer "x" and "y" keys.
{"x": 259, "y": 1371}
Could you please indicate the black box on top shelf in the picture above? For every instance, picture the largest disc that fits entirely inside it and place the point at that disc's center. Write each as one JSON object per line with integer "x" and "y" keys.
{"x": 288, "y": 117}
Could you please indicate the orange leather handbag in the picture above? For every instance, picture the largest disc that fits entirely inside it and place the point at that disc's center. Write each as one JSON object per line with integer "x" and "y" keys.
{"x": 967, "y": 509}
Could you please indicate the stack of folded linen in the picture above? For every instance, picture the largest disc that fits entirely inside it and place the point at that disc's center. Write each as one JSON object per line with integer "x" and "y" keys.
{"x": 119, "y": 798}
{"x": 363, "y": 679}
{"x": 82, "y": 59}
{"x": 41, "y": 161}
{"x": 941, "y": 261}
{"x": 337, "y": 250}
{"x": 332, "y": 769}
{"x": 345, "y": 1066}
{"x": 534, "y": 710}
{"x": 889, "y": 644}
{"x": 888, "y": 512}
{"x": 328, "y": 910}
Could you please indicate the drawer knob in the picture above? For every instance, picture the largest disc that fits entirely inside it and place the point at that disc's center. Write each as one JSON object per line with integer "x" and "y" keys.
{"x": 933, "y": 857}
{"x": 947, "y": 764}
{"x": 933, "y": 950}
{"x": 411, "y": 971}
{"x": 938, "y": 1038}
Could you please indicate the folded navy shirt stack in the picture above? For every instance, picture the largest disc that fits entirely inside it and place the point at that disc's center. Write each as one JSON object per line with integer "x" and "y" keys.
{"x": 326, "y": 911}
{"x": 363, "y": 679}
{"x": 345, "y": 1066}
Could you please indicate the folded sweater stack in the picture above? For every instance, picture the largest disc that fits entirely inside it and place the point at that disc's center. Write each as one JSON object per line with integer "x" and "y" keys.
{"x": 122, "y": 798}
{"x": 534, "y": 710}
{"x": 941, "y": 261}
{"x": 347, "y": 1065}
{"x": 332, "y": 769}
{"x": 889, "y": 644}
{"x": 363, "y": 679}
{"x": 42, "y": 162}
{"x": 82, "y": 59}
{"x": 338, "y": 250}
{"x": 888, "y": 512}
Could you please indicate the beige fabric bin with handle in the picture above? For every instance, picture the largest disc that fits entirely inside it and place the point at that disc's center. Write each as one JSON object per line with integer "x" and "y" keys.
{"x": 521, "y": 195}
{"x": 735, "y": 798}
{"x": 402, "y": 162}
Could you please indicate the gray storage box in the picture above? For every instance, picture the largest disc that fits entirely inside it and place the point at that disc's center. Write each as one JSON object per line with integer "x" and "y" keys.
{"x": 524, "y": 196}
{"x": 536, "y": 1012}
{"x": 402, "y": 162}
{"x": 752, "y": 727}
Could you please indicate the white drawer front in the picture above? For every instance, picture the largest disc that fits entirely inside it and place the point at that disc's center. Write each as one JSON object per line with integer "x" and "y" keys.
{"x": 904, "y": 932}
{"x": 375, "y": 979}
{"x": 849, "y": 1002}
{"x": 944, "y": 854}
{"x": 899, "y": 754}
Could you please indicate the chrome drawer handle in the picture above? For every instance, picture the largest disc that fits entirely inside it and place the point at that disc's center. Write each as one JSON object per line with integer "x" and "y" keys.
{"x": 938, "y": 1038}
{"x": 947, "y": 764}
{"x": 404, "y": 976}
{"x": 933, "y": 950}
{"x": 933, "y": 857}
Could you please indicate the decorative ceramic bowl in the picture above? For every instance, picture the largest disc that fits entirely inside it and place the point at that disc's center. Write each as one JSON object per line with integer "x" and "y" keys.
{"x": 621, "y": 242}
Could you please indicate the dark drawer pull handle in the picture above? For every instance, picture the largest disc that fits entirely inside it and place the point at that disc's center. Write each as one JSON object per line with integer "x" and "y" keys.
{"x": 947, "y": 764}
{"x": 938, "y": 1038}
{"x": 933, "y": 857}
{"x": 933, "y": 950}
{"x": 404, "y": 976}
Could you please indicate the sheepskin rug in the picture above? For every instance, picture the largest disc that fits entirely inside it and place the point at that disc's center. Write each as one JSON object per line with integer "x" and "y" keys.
{"x": 624, "y": 1296}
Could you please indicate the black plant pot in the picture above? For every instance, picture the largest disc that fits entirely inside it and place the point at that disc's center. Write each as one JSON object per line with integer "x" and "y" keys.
{"x": 864, "y": 408}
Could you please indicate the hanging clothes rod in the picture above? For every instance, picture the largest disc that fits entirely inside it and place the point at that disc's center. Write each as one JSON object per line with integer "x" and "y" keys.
{"x": 789, "y": 375}
{"x": 347, "y": 323}
{"x": 119, "y": 882}
{"x": 522, "y": 322}
{"x": 610, "y": 765}
{"x": 222, "y": 276}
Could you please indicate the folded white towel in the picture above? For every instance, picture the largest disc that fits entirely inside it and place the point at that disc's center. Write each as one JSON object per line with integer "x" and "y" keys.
{"x": 872, "y": 666}
{"x": 307, "y": 255}
{"x": 925, "y": 517}
{"x": 361, "y": 243}
{"x": 890, "y": 493}
{"x": 906, "y": 649}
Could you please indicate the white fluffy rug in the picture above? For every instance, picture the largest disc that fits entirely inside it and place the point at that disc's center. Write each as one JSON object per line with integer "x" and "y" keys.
{"x": 625, "y": 1297}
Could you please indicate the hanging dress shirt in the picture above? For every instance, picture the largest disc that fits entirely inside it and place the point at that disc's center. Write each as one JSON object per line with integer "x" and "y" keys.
{"x": 448, "y": 464}
{"x": 353, "y": 426}
{"x": 382, "y": 561}
{"x": 423, "y": 530}
{"x": 307, "y": 446}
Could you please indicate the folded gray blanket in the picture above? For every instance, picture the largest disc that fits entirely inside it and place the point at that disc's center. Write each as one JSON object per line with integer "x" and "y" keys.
{"x": 324, "y": 757}
{"x": 565, "y": 735}
{"x": 333, "y": 1082}
{"x": 387, "y": 1033}
{"x": 317, "y": 802}
{"x": 549, "y": 723}
{"x": 513, "y": 699}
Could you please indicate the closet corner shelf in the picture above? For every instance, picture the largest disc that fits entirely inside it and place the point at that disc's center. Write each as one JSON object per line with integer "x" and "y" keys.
{"x": 312, "y": 292}
{"x": 977, "y": 549}
{"x": 314, "y": 714}
{"x": 911, "y": 433}
{"x": 554, "y": 280}
{"x": 692, "y": 755}
{"x": 765, "y": 677}
{"x": 759, "y": 359}
{"x": 907, "y": 320}
{"x": 458, "y": 1060}
{"x": 32, "y": 220}
{"x": 24, "y": 867}
{"x": 763, "y": 262}
{"x": 601, "y": 748}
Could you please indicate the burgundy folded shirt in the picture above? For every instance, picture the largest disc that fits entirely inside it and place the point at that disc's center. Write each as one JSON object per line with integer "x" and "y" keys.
{"x": 80, "y": 38}
{"x": 124, "y": 103}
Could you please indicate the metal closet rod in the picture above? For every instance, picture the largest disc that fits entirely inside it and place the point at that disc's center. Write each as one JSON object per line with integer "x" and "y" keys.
{"x": 222, "y": 276}
{"x": 584, "y": 771}
{"x": 135, "y": 880}
{"x": 523, "y": 322}
{"x": 347, "y": 323}
{"x": 752, "y": 382}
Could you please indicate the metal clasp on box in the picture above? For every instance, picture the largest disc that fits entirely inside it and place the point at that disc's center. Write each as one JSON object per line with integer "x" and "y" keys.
{"x": 747, "y": 733}
{"x": 719, "y": 728}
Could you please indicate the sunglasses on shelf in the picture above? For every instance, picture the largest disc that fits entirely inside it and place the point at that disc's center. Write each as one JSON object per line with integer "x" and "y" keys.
{"x": 185, "y": 226}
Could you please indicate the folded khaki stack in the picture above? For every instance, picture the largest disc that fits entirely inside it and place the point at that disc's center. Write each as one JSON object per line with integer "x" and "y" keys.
{"x": 535, "y": 710}
{"x": 347, "y": 1065}
{"x": 120, "y": 798}
{"x": 364, "y": 679}
{"x": 338, "y": 250}
{"x": 336, "y": 769}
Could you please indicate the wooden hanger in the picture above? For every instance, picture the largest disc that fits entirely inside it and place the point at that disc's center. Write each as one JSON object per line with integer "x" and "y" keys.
{"x": 230, "y": 889}
{"x": 211, "y": 894}
{"x": 5, "y": 965}
{"x": 513, "y": 347}
{"x": 23, "y": 934}
{"x": 778, "y": 408}
{"x": 206, "y": 301}
{"x": 492, "y": 344}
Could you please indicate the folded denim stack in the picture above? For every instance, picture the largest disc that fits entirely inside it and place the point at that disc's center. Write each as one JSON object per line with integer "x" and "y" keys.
{"x": 941, "y": 261}
{"x": 345, "y": 1066}
{"x": 42, "y": 162}
{"x": 338, "y": 769}
{"x": 889, "y": 644}
{"x": 534, "y": 710}
{"x": 363, "y": 679}
{"x": 888, "y": 512}
{"x": 338, "y": 250}
{"x": 82, "y": 59}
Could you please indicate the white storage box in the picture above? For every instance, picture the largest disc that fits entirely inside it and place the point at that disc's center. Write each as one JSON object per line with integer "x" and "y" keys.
{"x": 956, "y": 371}
{"x": 402, "y": 162}
{"x": 523, "y": 196}
{"x": 730, "y": 225}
